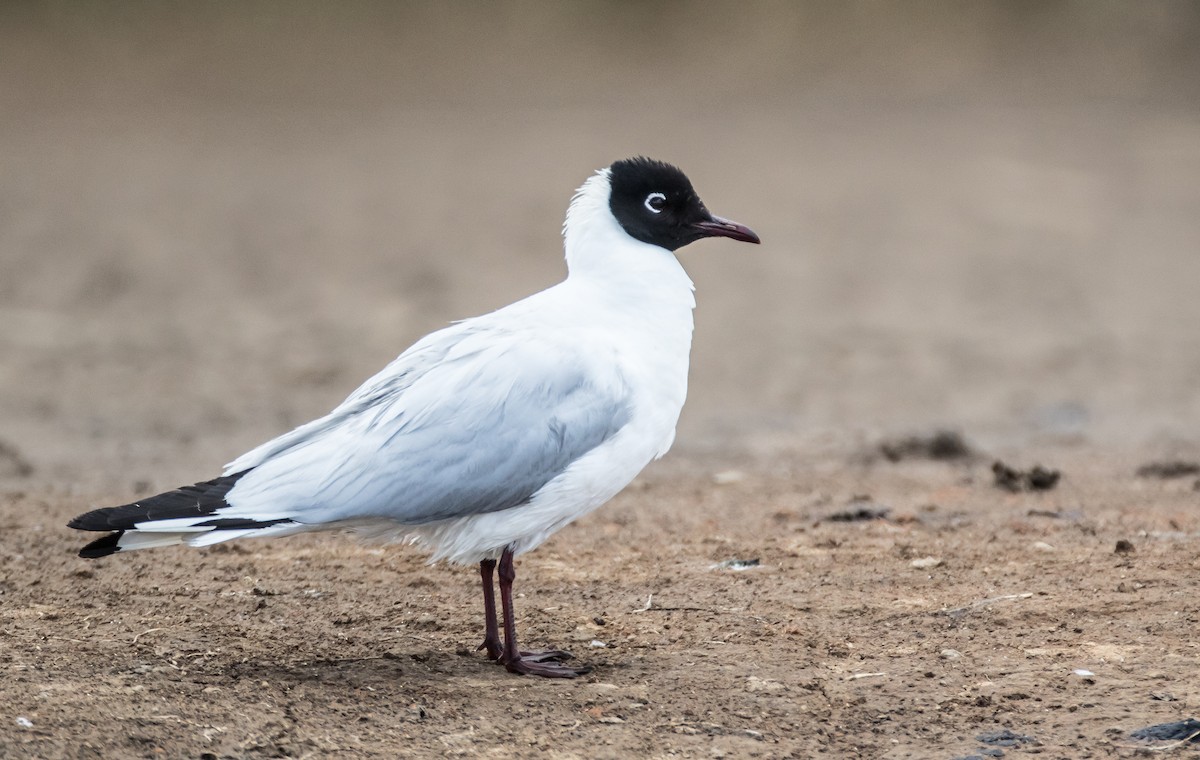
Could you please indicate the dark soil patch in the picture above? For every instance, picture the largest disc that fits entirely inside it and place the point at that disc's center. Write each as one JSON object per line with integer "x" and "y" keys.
{"x": 1168, "y": 470}
{"x": 1179, "y": 731}
{"x": 1036, "y": 479}
{"x": 940, "y": 445}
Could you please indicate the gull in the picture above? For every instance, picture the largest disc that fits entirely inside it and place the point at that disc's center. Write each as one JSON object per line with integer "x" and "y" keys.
{"x": 487, "y": 436}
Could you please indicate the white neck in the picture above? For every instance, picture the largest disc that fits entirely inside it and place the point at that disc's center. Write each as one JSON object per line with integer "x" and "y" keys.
{"x": 643, "y": 300}
{"x": 600, "y": 251}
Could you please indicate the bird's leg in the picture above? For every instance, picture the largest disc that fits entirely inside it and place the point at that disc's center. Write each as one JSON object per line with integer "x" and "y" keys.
{"x": 491, "y": 639}
{"x": 491, "y": 634}
{"x": 547, "y": 664}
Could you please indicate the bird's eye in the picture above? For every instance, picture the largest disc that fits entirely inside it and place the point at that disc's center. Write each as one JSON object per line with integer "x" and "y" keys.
{"x": 655, "y": 203}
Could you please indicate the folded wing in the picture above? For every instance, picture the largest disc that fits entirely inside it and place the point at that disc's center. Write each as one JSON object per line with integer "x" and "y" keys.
{"x": 467, "y": 424}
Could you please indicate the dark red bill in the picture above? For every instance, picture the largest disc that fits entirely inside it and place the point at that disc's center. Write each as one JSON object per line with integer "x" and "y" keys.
{"x": 718, "y": 227}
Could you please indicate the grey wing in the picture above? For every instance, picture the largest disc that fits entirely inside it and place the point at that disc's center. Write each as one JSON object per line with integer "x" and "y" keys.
{"x": 391, "y": 381}
{"x": 481, "y": 430}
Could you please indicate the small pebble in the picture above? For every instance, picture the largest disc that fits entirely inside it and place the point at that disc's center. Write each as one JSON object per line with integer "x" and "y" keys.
{"x": 24, "y": 722}
{"x": 924, "y": 563}
{"x": 725, "y": 477}
{"x": 1124, "y": 547}
{"x": 950, "y": 654}
{"x": 1180, "y": 731}
{"x": 754, "y": 683}
{"x": 736, "y": 564}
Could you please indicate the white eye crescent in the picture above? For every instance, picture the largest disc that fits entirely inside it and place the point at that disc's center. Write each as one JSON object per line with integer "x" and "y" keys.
{"x": 655, "y": 203}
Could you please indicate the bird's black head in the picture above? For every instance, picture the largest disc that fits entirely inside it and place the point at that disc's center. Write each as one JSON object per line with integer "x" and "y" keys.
{"x": 654, "y": 202}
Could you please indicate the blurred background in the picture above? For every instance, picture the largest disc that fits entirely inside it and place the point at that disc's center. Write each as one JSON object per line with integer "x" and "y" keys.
{"x": 216, "y": 219}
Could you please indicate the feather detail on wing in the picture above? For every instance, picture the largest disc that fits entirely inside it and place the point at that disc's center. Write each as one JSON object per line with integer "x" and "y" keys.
{"x": 390, "y": 381}
{"x": 468, "y": 421}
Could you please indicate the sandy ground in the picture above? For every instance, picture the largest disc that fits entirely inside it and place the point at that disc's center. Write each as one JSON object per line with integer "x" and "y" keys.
{"x": 966, "y": 611}
{"x": 214, "y": 225}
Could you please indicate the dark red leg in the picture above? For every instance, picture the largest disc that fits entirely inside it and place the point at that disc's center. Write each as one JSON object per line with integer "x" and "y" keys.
{"x": 491, "y": 633}
{"x": 547, "y": 664}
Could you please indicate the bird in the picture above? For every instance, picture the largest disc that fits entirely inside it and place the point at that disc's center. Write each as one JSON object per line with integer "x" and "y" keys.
{"x": 487, "y": 436}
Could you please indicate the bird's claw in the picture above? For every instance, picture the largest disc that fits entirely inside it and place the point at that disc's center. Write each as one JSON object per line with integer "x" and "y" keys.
{"x": 550, "y": 655}
{"x": 494, "y": 649}
{"x": 545, "y": 669}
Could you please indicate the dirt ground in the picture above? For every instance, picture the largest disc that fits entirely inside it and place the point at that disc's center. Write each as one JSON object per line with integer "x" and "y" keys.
{"x": 966, "y": 610}
{"x": 214, "y": 224}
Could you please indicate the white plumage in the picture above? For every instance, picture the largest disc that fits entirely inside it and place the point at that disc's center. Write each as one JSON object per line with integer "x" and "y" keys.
{"x": 622, "y": 321}
{"x": 486, "y": 437}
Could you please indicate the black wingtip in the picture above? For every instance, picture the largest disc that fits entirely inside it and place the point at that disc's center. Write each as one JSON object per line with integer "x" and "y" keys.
{"x": 97, "y": 519}
{"x": 196, "y": 500}
{"x": 102, "y": 547}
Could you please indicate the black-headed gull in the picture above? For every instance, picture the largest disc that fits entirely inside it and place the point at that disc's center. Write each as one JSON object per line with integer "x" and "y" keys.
{"x": 486, "y": 437}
